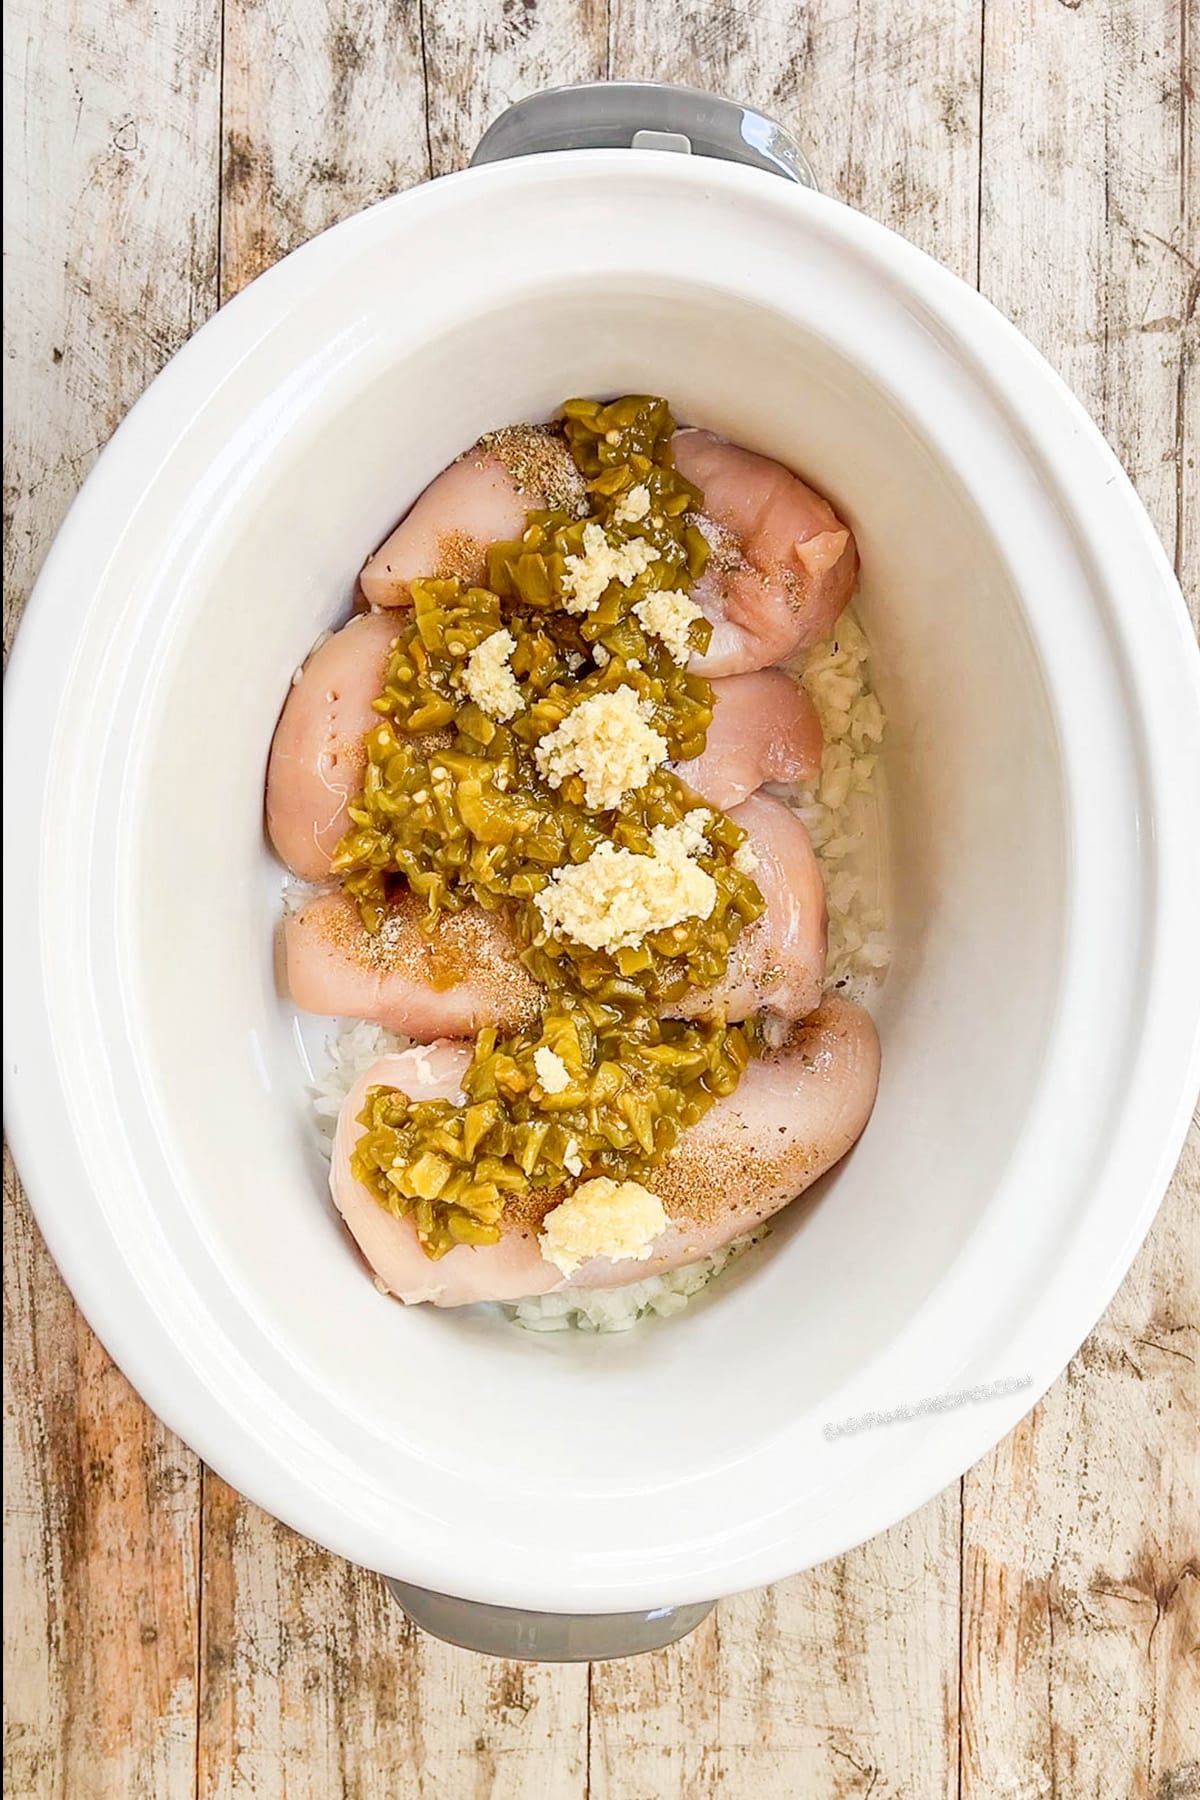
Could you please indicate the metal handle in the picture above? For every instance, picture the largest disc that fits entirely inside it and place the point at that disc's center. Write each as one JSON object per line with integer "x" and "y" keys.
{"x": 644, "y": 115}
{"x": 545, "y": 1637}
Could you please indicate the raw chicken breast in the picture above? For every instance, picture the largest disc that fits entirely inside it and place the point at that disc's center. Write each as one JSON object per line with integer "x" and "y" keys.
{"x": 468, "y": 973}
{"x": 317, "y": 753}
{"x": 795, "y": 1113}
{"x": 782, "y": 565}
{"x": 451, "y": 983}
{"x": 480, "y": 500}
{"x": 390, "y": 1244}
{"x": 764, "y": 728}
{"x": 778, "y": 963}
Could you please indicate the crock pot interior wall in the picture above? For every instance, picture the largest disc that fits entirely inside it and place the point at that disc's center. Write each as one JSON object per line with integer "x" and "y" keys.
{"x": 977, "y": 859}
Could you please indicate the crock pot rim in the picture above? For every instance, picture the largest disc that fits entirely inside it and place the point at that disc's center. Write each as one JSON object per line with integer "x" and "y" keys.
{"x": 36, "y": 653}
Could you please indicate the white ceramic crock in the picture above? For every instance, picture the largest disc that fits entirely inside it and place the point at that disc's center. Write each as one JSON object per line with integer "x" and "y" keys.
{"x": 1039, "y": 1025}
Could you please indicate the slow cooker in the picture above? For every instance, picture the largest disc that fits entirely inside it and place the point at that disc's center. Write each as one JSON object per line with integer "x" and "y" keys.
{"x": 576, "y": 1495}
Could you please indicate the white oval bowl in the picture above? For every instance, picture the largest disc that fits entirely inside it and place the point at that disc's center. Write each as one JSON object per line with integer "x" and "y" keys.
{"x": 1043, "y": 770}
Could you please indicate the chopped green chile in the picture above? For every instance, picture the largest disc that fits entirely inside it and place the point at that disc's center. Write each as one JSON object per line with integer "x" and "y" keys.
{"x": 636, "y": 1084}
{"x": 465, "y": 816}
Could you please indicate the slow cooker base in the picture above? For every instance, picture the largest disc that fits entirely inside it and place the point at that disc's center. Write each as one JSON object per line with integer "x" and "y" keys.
{"x": 545, "y": 1637}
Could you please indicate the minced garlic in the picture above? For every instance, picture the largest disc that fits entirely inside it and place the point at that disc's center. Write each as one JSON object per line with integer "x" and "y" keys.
{"x": 613, "y": 899}
{"x": 617, "y": 1220}
{"x": 489, "y": 680}
{"x": 588, "y": 577}
{"x": 668, "y": 615}
{"x": 632, "y": 507}
{"x": 552, "y": 1071}
{"x": 690, "y": 831}
{"x": 607, "y": 741}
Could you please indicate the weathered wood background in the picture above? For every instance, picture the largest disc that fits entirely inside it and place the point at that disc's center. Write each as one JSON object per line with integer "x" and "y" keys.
{"x": 1033, "y": 1632}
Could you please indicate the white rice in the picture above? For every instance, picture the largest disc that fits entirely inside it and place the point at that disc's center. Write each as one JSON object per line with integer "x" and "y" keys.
{"x": 296, "y": 894}
{"x": 351, "y": 1052}
{"x": 617, "y": 1309}
{"x": 843, "y": 812}
{"x": 843, "y": 815}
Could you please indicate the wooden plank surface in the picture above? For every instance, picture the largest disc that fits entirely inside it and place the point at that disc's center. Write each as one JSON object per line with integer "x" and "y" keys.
{"x": 111, "y": 123}
{"x": 1081, "y": 1532}
{"x": 164, "y": 1637}
{"x": 795, "y": 1691}
{"x": 322, "y": 112}
{"x": 316, "y": 1685}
